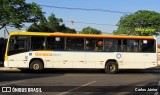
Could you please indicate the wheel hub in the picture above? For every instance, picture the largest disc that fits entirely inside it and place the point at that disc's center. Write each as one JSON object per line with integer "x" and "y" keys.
{"x": 111, "y": 67}
{"x": 36, "y": 66}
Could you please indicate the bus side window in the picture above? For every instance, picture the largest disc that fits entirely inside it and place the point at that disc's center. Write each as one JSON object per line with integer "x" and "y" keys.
{"x": 124, "y": 45}
{"x": 37, "y": 42}
{"x": 55, "y": 43}
{"x": 18, "y": 44}
{"x": 148, "y": 46}
{"x": 110, "y": 45}
{"x": 75, "y": 43}
{"x": 132, "y": 46}
{"x": 94, "y": 44}
{"x": 90, "y": 44}
{"x": 119, "y": 45}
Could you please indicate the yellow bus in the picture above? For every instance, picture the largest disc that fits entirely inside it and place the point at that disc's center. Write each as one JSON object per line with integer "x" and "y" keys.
{"x": 37, "y": 51}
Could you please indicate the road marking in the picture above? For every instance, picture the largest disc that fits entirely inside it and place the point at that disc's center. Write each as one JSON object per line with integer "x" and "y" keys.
{"x": 156, "y": 93}
{"x": 10, "y": 83}
{"x": 76, "y": 88}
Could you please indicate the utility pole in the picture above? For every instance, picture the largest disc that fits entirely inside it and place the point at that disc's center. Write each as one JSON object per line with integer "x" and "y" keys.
{"x": 72, "y": 21}
{"x": 6, "y": 30}
{"x": 4, "y": 34}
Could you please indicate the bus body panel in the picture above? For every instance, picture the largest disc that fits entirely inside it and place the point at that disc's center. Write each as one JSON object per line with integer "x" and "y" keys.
{"x": 100, "y": 58}
{"x": 35, "y": 55}
{"x": 53, "y": 61}
{"x": 83, "y": 59}
{"x": 18, "y": 60}
{"x": 73, "y": 59}
{"x": 138, "y": 60}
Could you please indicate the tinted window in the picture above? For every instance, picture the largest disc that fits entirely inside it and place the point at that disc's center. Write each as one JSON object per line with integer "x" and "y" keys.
{"x": 18, "y": 44}
{"x": 75, "y": 44}
{"x": 138, "y": 45}
{"x": 148, "y": 46}
{"x": 55, "y": 43}
{"x": 132, "y": 46}
{"x": 111, "y": 45}
{"x": 37, "y": 42}
{"x": 94, "y": 44}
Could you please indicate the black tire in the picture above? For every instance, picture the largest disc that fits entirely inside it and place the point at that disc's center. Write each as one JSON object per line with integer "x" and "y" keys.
{"x": 36, "y": 65}
{"x": 111, "y": 67}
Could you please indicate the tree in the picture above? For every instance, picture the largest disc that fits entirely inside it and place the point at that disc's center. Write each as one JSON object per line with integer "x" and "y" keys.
{"x": 16, "y": 12}
{"x": 65, "y": 29}
{"x": 142, "y": 22}
{"x": 41, "y": 26}
{"x": 52, "y": 24}
{"x": 90, "y": 30}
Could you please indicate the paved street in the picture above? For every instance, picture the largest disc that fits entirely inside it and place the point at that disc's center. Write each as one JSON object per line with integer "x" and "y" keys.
{"x": 77, "y": 82}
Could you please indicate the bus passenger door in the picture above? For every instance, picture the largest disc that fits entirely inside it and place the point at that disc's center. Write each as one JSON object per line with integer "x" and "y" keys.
{"x": 18, "y": 51}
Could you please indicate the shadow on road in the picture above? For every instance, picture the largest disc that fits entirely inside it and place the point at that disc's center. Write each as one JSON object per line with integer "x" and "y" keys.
{"x": 92, "y": 71}
{"x": 27, "y": 74}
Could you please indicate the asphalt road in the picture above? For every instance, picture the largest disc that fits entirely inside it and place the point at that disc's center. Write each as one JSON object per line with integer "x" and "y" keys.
{"x": 81, "y": 82}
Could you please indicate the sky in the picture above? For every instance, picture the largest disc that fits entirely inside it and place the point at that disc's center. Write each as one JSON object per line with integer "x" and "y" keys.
{"x": 104, "y": 21}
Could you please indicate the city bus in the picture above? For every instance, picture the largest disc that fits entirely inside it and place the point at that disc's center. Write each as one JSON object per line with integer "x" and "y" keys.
{"x": 37, "y": 51}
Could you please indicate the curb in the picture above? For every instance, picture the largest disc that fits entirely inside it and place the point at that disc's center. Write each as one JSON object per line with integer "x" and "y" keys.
{"x": 9, "y": 69}
{"x": 152, "y": 71}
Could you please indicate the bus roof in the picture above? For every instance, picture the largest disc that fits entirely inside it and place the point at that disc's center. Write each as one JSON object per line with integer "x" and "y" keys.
{"x": 82, "y": 35}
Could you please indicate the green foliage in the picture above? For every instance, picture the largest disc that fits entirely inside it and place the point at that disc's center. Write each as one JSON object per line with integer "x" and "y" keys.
{"x": 65, "y": 29}
{"x": 52, "y": 24}
{"x": 15, "y": 12}
{"x": 143, "y": 20}
{"x": 90, "y": 30}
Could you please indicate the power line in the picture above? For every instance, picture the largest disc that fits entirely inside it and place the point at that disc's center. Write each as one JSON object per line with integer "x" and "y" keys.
{"x": 91, "y": 23}
{"x": 85, "y": 9}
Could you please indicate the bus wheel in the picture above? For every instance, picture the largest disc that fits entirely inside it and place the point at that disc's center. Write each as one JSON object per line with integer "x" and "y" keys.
{"x": 36, "y": 65}
{"x": 111, "y": 67}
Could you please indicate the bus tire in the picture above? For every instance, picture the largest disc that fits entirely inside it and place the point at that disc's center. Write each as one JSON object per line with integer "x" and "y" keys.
{"x": 36, "y": 65}
{"x": 111, "y": 67}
